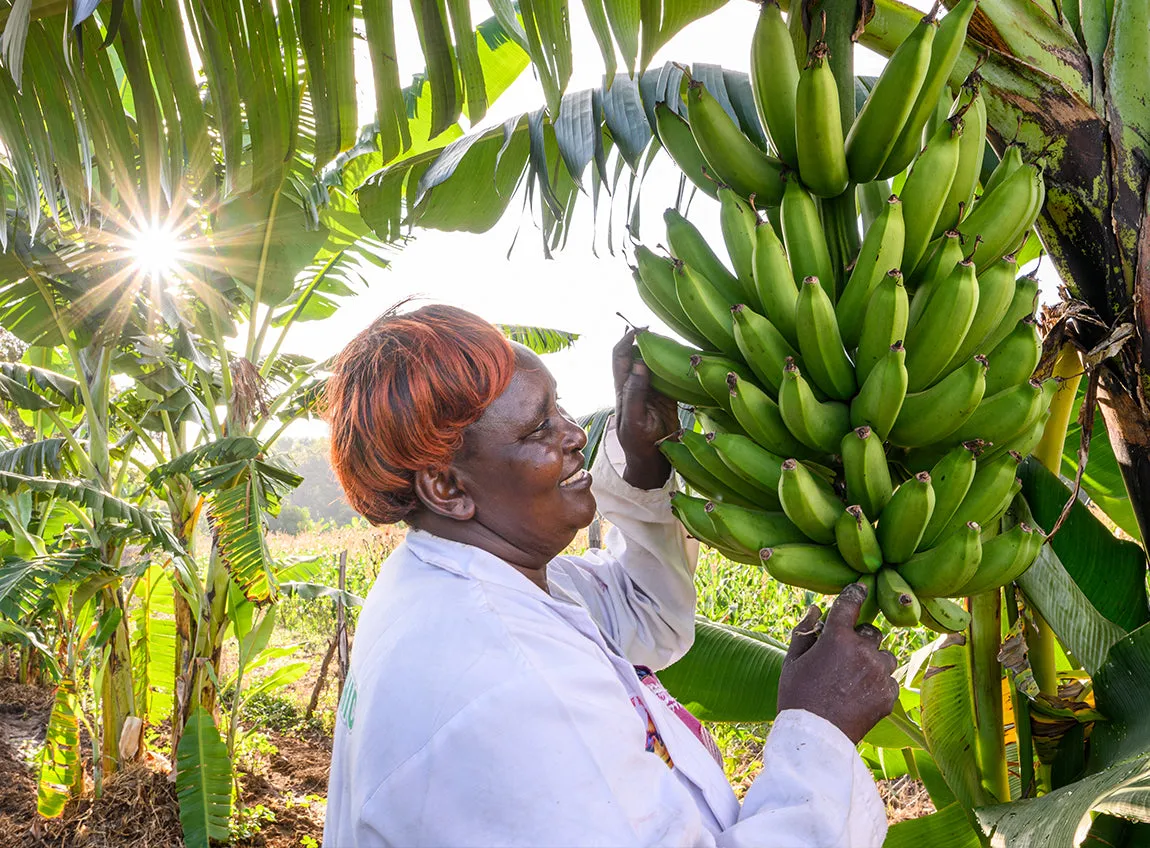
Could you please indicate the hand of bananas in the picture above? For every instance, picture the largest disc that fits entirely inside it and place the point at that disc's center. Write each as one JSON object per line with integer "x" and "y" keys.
{"x": 861, "y": 424}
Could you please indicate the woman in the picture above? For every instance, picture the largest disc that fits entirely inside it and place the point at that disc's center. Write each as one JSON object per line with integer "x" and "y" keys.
{"x": 501, "y": 694}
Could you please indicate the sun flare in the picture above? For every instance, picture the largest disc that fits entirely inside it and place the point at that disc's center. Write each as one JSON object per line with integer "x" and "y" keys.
{"x": 156, "y": 251}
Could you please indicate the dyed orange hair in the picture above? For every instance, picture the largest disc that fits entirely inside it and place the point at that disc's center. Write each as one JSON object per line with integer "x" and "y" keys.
{"x": 402, "y": 393}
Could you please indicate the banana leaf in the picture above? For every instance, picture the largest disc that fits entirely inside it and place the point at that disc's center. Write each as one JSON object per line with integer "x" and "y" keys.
{"x": 61, "y": 770}
{"x": 946, "y": 828}
{"x": 203, "y": 781}
{"x": 154, "y": 644}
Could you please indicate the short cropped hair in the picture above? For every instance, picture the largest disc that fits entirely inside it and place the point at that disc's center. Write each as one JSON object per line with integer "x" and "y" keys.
{"x": 402, "y": 394}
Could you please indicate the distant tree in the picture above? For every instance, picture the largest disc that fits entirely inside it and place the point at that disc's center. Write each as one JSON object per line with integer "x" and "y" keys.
{"x": 292, "y": 520}
{"x": 320, "y": 493}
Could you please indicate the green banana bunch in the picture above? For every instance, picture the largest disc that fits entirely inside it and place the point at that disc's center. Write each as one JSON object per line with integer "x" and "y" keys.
{"x": 755, "y": 529}
{"x": 820, "y": 343}
{"x": 706, "y": 307}
{"x": 971, "y": 148}
{"x": 995, "y": 291}
{"x": 927, "y": 188}
{"x": 738, "y": 221}
{"x": 1004, "y": 559}
{"x": 889, "y": 105}
{"x": 1004, "y": 415}
{"x": 762, "y": 346}
{"x": 901, "y": 525}
{"x": 706, "y": 456}
{"x": 880, "y": 252}
{"x": 879, "y": 401}
{"x": 857, "y": 542}
{"x": 929, "y": 416}
{"x": 774, "y": 281}
{"x": 1003, "y": 215}
{"x": 866, "y": 470}
{"x": 775, "y": 80}
{"x": 819, "y": 425}
{"x": 655, "y": 280}
{"x": 695, "y": 475}
{"x": 692, "y": 514}
{"x": 883, "y": 323}
{"x": 819, "y": 568}
{"x": 760, "y": 418}
{"x": 819, "y": 129}
{"x": 688, "y": 246}
{"x": 809, "y": 502}
{"x": 989, "y": 495}
{"x": 944, "y": 52}
{"x": 670, "y": 365}
{"x": 753, "y": 463}
{"x": 932, "y": 342}
{"x": 943, "y": 615}
{"x": 804, "y": 238}
{"x": 1014, "y": 359}
{"x": 941, "y": 570}
{"x": 951, "y": 478}
{"x": 675, "y": 136}
{"x": 733, "y": 158}
{"x": 897, "y": 599}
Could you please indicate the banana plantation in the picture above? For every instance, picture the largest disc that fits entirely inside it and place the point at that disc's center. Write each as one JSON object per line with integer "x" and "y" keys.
{"x": 871, "y": 390}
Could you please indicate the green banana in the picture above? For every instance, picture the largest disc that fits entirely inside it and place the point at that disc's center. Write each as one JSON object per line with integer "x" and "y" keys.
{"x": 942, "y": 570}
{"x": 931, "y": 415}
{"x": 944, "y": 52}
{"x": 1008, "y": 163}
{"x": 711, "y": 371}
{"x": 695, "y": 475}
{"x": 733, "y": 158}
{"x": 804, "y": 238}
{"x": 880, "y": 122}
{"x": 989, "y": 494}
{"x": 688, "y": 245}
{"x": 820, "y": 343}
{"x": 706, "y": 307}
{"x": 655, "y": 281}
{"x": 970, "y": 152}
{"x": 753, "y": 463}
{"x": 1023, "y": 303}
{"x": 995, "y": 291}
{"x": 933, "y": 341}
{"x": 1006, "y": 414}
{"x": 1002, "y": 216}
{"x": 775, "y": 80}
{"x": 818, "y": 568}
{"x": 857, "y": 542}
{"x": 941, "y": 256}
{"x": 819, "y": 128}
{"x": 905, "y": 518}
{"x": 670, "y": 365}
{"x": 942, "y": 615}
{"x": 1004, "y": 559}
{"x": 675, "y": 136}
{"x": 872, "y": 199}
{"x": 881, "y": 397}
{"x": 718, "y": 420}
{"x": 927, "y": 187}
{"x": 884, "y": 323}
{"x": 760, "y": 418}
{"x": 869, "y": 610}
{"x": 774, "y": 281}
{"x": 763, "y": 347}
{"x": 866, "y": 470}
{"x": 950, "y": 477}
{"x": 754, "y": 529}
{"x": 1014, "y": 359}
{"x": 809, "y": 502}
{"x": 897, "y": 599}
{"x": 700, "y": 447}
{"x": 692, "y": 514}
{"x": 880, "y": 252}
{"x": 818, "y": 425}
{"x": 737, "y": 222}
{"x": 1024, "y": 443}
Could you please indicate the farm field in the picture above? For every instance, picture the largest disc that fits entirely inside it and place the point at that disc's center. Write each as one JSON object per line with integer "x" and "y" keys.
{"x": 284, "y": 753}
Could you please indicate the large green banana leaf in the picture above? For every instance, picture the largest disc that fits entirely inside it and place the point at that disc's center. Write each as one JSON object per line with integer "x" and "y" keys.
{"x": 203, "y": 781}
{"x": 154, "y": 644}
{"x": 61, "y": 771}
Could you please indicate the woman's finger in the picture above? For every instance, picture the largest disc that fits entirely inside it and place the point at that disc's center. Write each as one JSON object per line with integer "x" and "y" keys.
{"x": 621, "y": 359}
{"x": 805, "y": 634}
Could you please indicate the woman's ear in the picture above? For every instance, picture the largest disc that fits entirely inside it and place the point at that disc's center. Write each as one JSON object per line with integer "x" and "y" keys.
{"x": 442, "y": 493}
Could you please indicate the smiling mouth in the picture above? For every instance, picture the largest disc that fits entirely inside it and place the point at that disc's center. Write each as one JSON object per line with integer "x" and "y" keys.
{"x": 578, "y": 477}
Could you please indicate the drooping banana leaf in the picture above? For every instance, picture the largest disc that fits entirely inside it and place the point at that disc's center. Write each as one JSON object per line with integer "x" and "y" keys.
{"x": 154, "y": 644}
{"x": 61, "y": 769}
{"x": 203, "y": 781}
{"x": 539, "y": 339}
{"x": 946, "y": 828}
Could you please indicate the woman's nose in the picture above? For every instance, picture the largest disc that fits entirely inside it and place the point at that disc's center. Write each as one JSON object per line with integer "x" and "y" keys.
{"x": 576, "y": 437}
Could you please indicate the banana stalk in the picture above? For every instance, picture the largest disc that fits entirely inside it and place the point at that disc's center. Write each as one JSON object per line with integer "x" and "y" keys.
{"x": 985, "y": 635}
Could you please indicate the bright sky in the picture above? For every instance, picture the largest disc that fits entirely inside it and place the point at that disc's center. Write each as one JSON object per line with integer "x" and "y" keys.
{"x": 575, "y": 291}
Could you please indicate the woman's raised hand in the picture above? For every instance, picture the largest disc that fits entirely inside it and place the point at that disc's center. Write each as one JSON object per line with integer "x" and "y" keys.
{"x": 836, "y": 670}
{"x": 643, "y": 416}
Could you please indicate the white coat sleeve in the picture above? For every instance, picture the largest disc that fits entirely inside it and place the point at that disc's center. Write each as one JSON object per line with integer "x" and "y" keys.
{"x": 814, "y": 790}
{"x": 639, "y": 588}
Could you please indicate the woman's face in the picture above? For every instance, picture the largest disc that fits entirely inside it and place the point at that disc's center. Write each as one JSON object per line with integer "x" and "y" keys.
{"x": 522, "y": 465}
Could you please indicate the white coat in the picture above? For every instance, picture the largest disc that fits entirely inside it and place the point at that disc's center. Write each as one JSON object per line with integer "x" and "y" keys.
{"x": 480, "y": 711}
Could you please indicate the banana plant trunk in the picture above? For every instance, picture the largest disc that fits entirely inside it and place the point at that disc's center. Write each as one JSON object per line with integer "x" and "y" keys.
{"x": 116, "y": 694}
